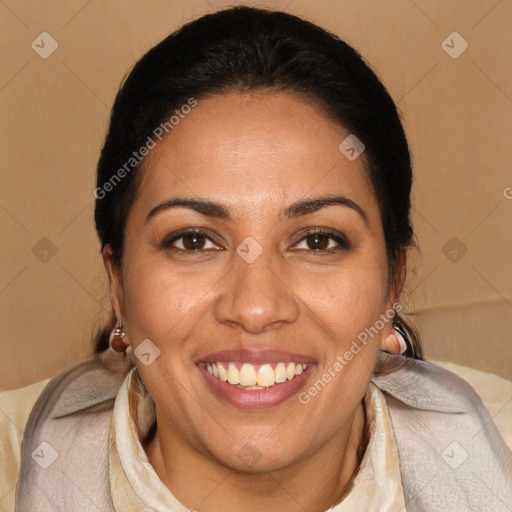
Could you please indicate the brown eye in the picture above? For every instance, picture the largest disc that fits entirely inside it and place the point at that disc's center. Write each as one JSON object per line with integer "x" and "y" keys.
{"x": 190, "y": 241}
{"x": 193, "y": 242}
{"x": 322, "y": 241}
{"x": 318, "y": 242}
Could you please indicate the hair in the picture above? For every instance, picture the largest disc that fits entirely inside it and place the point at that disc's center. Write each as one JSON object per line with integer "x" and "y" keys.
{"x": 246, "y": 49}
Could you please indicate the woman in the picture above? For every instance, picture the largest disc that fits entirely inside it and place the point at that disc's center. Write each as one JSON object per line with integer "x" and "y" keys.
{"x": 253, "y": 206}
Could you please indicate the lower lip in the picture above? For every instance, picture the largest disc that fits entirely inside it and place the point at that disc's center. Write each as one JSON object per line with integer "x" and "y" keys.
{"x": 257, "y": 398}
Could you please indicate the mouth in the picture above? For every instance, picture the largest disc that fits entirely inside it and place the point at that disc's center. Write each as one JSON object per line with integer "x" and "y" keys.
{"x": 251, "y": 382}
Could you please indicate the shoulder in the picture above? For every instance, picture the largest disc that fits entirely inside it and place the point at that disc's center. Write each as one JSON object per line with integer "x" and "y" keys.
{"x": 451, "y": 453}
{"x": 82, "y": 395}
{"x": 423, "y": 388}
{"x": 495, "y": 392}
{"x": 15, "y": 408}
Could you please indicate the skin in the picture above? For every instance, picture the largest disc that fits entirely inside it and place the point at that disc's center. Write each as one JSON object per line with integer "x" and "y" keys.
{"x": 255, "y": 154}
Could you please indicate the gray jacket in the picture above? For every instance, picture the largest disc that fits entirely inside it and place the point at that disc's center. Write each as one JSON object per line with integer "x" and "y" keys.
{"x": 452, "y": 457}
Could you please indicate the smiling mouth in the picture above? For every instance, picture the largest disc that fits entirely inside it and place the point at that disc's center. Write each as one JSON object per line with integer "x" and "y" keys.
{"x": 254, "y": 377}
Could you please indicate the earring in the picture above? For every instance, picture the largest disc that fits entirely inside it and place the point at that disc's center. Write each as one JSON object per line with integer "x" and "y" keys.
{"x": 115, "y": 339}
{"x": 401, "y": 341}
{"x": 396, "y": 340}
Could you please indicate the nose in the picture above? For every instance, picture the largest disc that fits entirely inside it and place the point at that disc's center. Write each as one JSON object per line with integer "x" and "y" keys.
{"x": 255, "y": 297}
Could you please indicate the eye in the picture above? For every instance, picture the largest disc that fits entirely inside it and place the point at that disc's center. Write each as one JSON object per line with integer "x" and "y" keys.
{"x": 322, "y": 241}
{"x": 190, "y": 241}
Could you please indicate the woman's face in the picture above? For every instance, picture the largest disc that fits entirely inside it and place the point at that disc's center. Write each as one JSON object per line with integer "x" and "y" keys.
{"x": 275, "y": 274}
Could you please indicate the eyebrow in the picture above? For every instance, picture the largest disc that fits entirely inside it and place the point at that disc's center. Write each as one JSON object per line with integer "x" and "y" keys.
{"x": 218, "y": 211}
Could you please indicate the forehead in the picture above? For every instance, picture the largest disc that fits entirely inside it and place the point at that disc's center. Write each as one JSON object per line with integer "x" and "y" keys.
{"x": 246, "y": 149}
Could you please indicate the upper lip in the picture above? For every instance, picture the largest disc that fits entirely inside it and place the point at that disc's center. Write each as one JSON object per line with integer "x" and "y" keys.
{"x": 257, "y": 356}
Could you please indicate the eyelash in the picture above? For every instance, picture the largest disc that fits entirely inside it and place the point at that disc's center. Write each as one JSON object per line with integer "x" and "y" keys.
{"x": 341, "y": 240}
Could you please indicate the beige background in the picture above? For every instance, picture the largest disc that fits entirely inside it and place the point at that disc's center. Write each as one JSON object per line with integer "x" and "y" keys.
{"x": 54, "y": 115}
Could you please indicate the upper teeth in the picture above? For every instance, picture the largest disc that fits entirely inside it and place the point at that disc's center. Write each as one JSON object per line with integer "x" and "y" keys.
{"x": 261, "y": 375}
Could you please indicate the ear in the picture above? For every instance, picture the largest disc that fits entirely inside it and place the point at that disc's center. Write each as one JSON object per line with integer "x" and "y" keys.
{"x": 116, "y": 283}
{"x": 390, "y": 340}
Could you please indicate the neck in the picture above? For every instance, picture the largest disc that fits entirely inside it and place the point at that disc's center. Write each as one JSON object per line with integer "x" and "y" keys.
{"x": 206, "y": 484}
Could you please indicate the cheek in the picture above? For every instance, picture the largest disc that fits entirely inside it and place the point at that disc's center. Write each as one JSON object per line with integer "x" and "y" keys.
{"x": 157, "y": 300}
{"x": 348, "y": 299}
